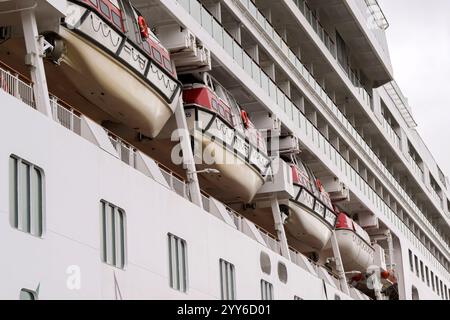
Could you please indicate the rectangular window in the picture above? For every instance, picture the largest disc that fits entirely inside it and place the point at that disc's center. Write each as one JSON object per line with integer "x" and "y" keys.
{"x": 422, "y": 273}
{"x": 113, "y": 224}
{"x": 266, "y": 290}
{"x": 427, "y": 275}
{"x": 178, "y": 267}
{"x": 437, "y": 286}
{"x": 227, "y": 280}
{"x": 446, "y": 292}
{"x": 117, "y": 20}
{"x": 442, "y": 289}
{"x": 432, "y": 280}
{"x": 26, "y": 196}
{"x": 416, "y": 263}
{"x": 167, "y": 64}
{"x": 156, "y": 55}
{"x": 411, "y": 264}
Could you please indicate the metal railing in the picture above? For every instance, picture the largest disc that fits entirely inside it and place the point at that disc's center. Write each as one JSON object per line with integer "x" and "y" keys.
{"x": 16, "y": 85}
{"x": 65, "y": 115}
{"x": 127, "y": 153}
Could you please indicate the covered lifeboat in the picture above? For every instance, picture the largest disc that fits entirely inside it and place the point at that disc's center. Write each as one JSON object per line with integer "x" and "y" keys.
{"x": 354, "y": 243}
{"x": 225, "y": 139}
{"x": 107, "y": 51}
{"x": 311, "y": 218}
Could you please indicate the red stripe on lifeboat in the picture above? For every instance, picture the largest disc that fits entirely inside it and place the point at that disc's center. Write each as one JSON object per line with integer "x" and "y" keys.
{"x": 197, "y": 96}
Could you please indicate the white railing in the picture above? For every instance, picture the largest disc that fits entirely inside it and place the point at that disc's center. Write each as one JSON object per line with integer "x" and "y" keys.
{"x": 126, "y": 152}
{"x": 12, "y": 83}
{"x": 176, "y": 183}
{"x": 65, "y": 115}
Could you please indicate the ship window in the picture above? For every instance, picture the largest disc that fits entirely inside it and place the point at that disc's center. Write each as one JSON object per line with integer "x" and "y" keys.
{"x": 266, "y": 265}
{"x": 427, "y": 274}
{"x": 94, "y": 3}
{"x": 116, "y": 19}
{"x": 156, "y": 55}
{"x": 26, "y": 189}
{"x": 437, "y": 286}
{"x": 227, "y": 280}
{"x": 411, "y": 264}
{"x": 167, "y": 64}
{"x": 266, "y": 290}
{"x": 178, "y": 267}
{"x": 113, "y": 224}
{"x": 442, "y": 289}
{"x": 422, "y": 274}
{"x": 416, "y": 263}
{"x": 432, "y": 280}
{"x": 104, "y": 9}
{"x": 26, "y": 294}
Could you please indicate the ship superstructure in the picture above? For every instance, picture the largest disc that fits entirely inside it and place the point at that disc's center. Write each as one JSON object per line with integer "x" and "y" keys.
{"x": 296, "y": 171}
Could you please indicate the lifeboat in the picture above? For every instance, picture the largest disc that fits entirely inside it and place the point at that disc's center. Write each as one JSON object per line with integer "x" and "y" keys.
{"x": 311, "y": 218}
{"x": 114, "y": 61}
{"x": 354, "y": 243}
{"x": 224, "y": 138}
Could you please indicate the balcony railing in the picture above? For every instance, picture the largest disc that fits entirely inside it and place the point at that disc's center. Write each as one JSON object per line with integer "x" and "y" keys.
{"x": 262, "y": 80}
{"x": 65, "y": 115}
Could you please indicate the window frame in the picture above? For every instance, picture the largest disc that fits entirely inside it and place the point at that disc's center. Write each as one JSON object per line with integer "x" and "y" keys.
{"x": 183, "y": 288}
{"x": 14, "y": 209}
{"x": 267, "y": 291}
{"x": 230, "y": 270}
{"x": 122, "y": 247}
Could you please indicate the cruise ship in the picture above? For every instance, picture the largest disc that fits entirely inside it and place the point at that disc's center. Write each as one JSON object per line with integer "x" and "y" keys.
{"x": 212, "y": 150}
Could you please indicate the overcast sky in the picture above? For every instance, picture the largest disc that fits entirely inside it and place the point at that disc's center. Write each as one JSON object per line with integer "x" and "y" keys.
{"x": 419, "y": 41}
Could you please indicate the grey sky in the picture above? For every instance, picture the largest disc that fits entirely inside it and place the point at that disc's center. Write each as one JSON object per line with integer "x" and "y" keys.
{"x": 419, "y": 41}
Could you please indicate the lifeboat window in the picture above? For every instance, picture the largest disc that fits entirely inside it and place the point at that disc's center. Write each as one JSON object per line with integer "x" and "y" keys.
{"x": 26, "y": 294}
{"x": 266, "y": 290}
{"x": 105, "y": 9}
{"x": 27, "y": 190}
{"x": 94, "y": 3}
{"x": 147, "y": 47}
{"x": 167, "y": 64}
{"x": 117, "y": 20}
{"x": 156, "y": 55}
{"x": 214, "y": 105}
